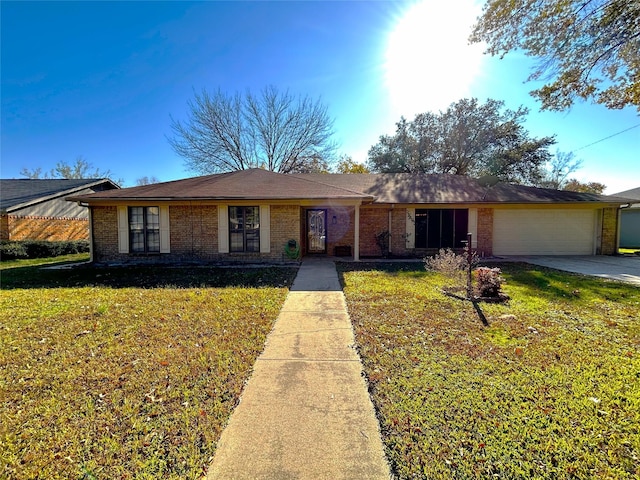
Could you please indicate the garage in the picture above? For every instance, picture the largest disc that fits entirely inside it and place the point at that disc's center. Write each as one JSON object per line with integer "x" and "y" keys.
{"x": 544, "y": 231}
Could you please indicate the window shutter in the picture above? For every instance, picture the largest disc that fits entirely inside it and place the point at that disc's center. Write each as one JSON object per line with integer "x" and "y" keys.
{"x": 165, "y": 239}
{"x": 265, "y": 229}
{"x": 123, "y": 229}
{"x": 473, "y": 227}
{"x": 410, "y": 229}
{"x": 223, "y": 229}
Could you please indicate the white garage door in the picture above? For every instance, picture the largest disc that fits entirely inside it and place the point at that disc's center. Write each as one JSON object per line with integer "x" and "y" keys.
{"x": 543, "y": 232}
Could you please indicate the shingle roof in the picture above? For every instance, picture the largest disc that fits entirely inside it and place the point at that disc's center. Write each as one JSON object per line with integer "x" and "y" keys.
{"x": 447, "y": 188}
{"x": 403, "y": 188}
{"x": 25, "y": 191}
{"x": 250, "y": 184}
{"x": 633, "y": 193}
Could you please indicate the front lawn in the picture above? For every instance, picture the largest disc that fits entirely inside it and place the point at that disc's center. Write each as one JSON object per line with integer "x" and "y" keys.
{"x": 551, "y": 389}
{"x": 126, "y": 373}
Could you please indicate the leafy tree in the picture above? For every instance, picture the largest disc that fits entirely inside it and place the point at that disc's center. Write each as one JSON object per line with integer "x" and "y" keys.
{"x": 80, "y": 169}
{"x": 272, "y": 130}
{"x": 558, "y": 170}
{"x": 574, "y": 185}
{"x": 588, "y": 49}
{"x": 348, "y": 165}
{"x": 470, "y": 139}
{"x": 146, "y": 180}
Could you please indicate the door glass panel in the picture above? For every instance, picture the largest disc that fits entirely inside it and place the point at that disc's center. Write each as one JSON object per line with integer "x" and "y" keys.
{"x": 316, "y": 231}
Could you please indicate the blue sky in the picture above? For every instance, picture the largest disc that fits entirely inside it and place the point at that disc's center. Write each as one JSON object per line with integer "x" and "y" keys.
{"x": 102, "y": 79}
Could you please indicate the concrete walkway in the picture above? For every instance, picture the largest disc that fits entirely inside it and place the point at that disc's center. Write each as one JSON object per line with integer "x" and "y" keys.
{"x": 305, "y": 412}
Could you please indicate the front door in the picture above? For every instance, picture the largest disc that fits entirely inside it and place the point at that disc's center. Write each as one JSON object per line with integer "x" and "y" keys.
{"x": 316, "y": 231}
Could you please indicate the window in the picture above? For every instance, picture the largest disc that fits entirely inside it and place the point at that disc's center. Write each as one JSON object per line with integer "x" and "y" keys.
{"x": 144, "y": 229}
{"x": 244, "y": 229}
{"x": 441, "y": 228}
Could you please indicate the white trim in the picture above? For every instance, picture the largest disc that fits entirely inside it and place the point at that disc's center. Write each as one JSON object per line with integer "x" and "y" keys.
{"x": 165, "y": 239}
{"x": 123, "y": 229}
{"x": 223, "y": 229}
{"x": 473, "y": 226}
{"x": 410, "y": 229}
{"x": 265, "y": 229}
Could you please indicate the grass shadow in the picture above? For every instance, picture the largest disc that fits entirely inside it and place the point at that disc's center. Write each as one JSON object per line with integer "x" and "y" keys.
{"x": 145, "y": 277}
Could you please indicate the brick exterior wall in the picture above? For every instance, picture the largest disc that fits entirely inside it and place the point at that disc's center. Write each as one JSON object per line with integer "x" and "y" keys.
{"x": 285, "y": 226}
{"x": 4, "y": 227}
{"x": 372, "y": 222}
{"x": 193, "y": 232}
{"x": 343, "y": 232}
{"x": 485, "y": 232}
{"x": 398, "y": 242}
{"x": 105, "y": 234}
{"x": 52, "y": 229}
{"x": 609, "y": 244}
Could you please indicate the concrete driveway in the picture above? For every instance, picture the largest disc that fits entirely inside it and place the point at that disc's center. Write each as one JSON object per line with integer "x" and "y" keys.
{"x": 622, "y": 268}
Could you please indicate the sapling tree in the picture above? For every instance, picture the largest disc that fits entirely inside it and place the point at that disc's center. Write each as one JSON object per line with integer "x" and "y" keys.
{"x": 459, "y": 271}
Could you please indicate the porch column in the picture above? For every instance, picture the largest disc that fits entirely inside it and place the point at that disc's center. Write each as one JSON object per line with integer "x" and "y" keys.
{"x": 356, "y": 234}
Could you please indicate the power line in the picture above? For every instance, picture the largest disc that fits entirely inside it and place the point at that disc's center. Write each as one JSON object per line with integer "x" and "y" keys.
{"x": 607, "y": 138}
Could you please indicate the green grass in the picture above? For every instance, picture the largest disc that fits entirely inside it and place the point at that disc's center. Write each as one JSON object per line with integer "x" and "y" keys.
{"x": 126, "y": 372}
{"x": 551, "y": 389}
{"x": 60, "y": 260}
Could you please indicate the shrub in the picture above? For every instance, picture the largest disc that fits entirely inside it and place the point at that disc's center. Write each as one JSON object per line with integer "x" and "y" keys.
{"x": 488, "y": 281}
{"x": 448, "y": 263}
{"x": 41, "y": 249}
{"x": 12, "y": 251}
{"x": 382, "y": 240}
{"x": 453, "y": 266}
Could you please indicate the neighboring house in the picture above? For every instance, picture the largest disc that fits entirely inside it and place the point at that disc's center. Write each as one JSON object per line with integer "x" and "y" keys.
{"x": 254, "y": 215}
{"x": 33, "y": 209}
{"x": 630, "y": 220}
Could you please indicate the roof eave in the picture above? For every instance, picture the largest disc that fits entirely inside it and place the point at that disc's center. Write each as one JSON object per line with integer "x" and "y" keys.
{"x": 59, "y": 194}
{"x": 103, "y": 200}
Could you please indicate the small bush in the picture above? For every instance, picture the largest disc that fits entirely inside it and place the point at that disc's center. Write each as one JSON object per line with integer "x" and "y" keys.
{"x": 41, "y": 249}
{"x": 488, "y": 281}
{"x": 448, "y": 263}
{"x": 12, "y": 251}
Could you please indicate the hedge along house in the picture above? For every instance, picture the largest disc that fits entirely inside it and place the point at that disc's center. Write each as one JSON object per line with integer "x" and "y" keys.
{"x": 255, "y": 215}
{"x": 35, "y": 209}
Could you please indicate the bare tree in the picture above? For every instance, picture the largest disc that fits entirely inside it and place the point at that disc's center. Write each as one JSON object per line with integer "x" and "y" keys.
{"x": 558, "y": 170}
{"x": 146, "y": 180}
{"x": 80, "y": 169}
{"x": 273, "y": 130}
